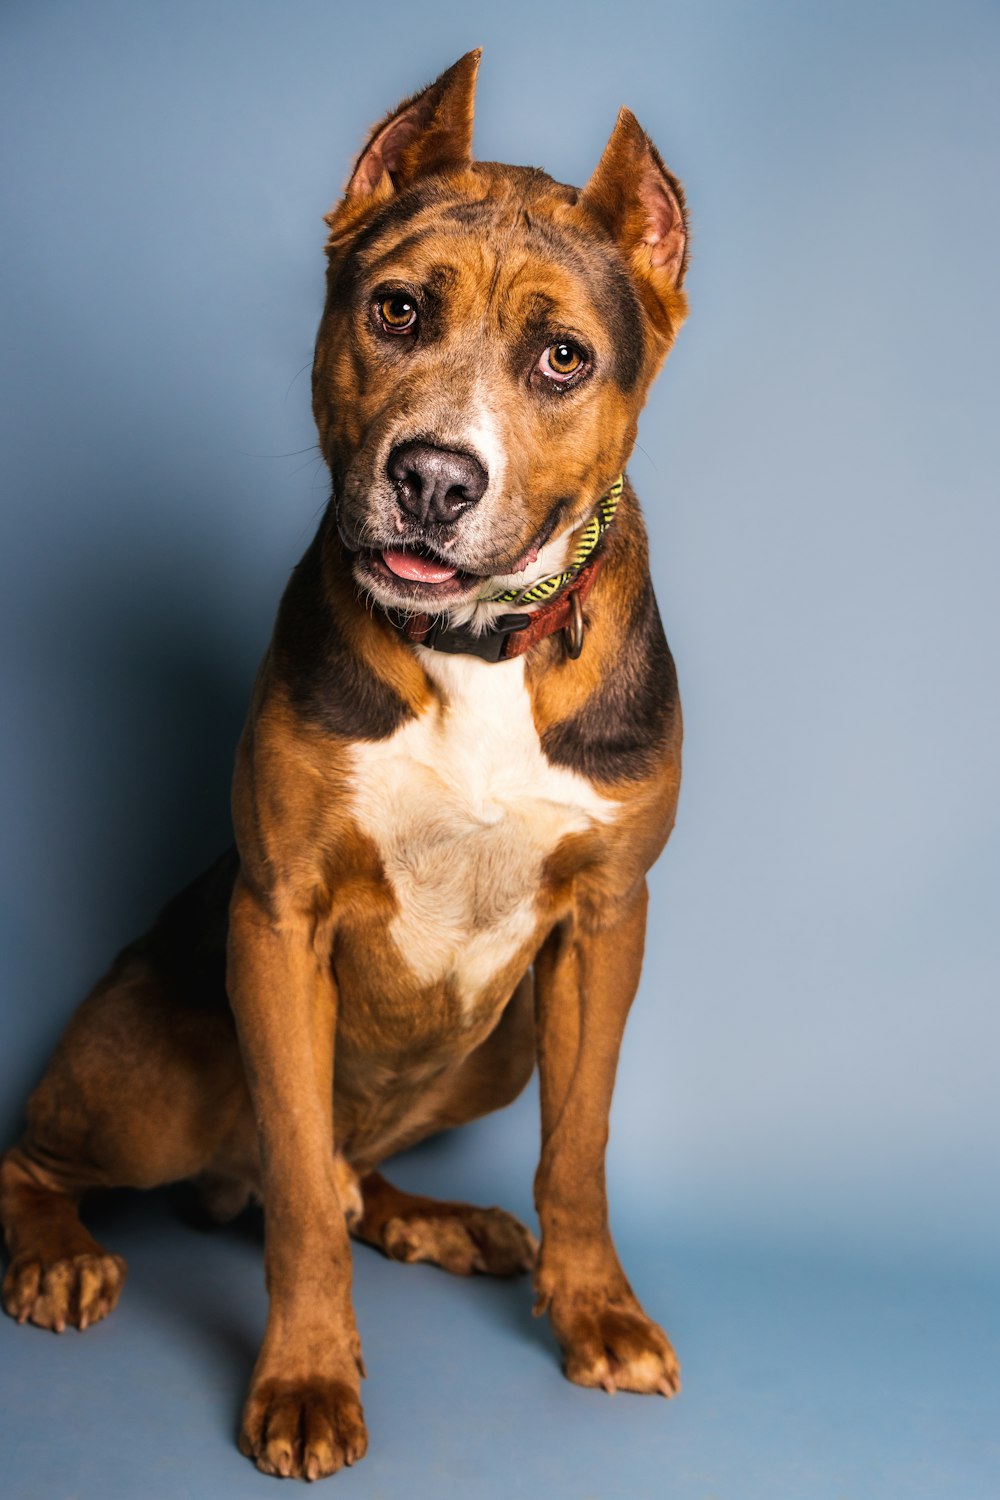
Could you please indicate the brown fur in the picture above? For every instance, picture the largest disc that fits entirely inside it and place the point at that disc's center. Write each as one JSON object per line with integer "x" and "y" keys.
{"x": 330, "y": 1038}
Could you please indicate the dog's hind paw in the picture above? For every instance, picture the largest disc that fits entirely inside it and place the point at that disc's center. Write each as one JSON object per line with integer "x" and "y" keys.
{"x": 72, "y": 1292}
{"x": 489, "y": 1241}
{"x": 458, "y": 1237}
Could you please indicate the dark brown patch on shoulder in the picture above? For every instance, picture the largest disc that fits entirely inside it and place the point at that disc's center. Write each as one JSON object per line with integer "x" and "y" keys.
{"x": 328, "y": 684}
{"x": 619, "y": 733}
{"x": 187, "y": 943}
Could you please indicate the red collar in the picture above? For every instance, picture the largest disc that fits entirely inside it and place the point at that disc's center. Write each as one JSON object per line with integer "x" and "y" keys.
{"x": 514, "y": 634}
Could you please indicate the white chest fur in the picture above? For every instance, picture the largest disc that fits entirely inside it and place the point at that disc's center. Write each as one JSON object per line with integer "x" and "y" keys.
{"x": 464, "y": 808}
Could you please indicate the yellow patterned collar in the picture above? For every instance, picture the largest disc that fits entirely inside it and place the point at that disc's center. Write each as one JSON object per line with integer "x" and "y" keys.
{"x": 544, "y": 588}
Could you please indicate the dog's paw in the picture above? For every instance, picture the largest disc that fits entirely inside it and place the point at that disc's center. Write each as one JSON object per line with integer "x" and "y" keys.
{"x": 73, "y": 1292}
{"x": 303, "y": 1429}
{"x": 485, "y": 1240}
{"x": 613, "y": 1345}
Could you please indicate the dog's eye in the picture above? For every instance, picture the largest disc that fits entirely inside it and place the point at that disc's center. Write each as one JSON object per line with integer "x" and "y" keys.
{"x": 562, "y": 361}
{"x": 398, "y": 313}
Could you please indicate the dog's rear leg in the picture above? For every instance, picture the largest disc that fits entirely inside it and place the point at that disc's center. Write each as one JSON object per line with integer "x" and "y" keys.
{"x": 140, "y": 1091}
{"x": 58, "y": 1273}
{"x": 456, "y": 1236}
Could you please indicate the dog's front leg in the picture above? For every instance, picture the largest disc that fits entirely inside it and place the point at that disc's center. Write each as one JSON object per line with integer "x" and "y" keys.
{"x": 303, "y": 1414}
{"x": 586, "y": 978}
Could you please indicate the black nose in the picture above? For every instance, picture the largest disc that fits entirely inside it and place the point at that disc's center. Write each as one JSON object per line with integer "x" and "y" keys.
{"x": 435, "y": 484}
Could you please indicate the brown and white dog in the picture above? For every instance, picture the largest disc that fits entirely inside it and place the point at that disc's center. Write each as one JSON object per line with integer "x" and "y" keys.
{"x": 451, "y": 785}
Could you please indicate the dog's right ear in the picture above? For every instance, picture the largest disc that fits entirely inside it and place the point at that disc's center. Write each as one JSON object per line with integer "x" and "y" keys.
{"x": 428, "y": 133}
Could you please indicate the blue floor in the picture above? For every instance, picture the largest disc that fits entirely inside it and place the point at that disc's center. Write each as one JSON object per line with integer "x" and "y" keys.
{"x": 804, "y": 1379}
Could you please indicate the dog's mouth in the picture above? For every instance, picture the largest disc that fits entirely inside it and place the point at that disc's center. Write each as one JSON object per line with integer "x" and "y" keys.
{"x": 416, "y": 573}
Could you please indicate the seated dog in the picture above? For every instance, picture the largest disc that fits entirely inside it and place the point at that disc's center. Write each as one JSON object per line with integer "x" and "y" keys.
{"x": 461, "y": 758}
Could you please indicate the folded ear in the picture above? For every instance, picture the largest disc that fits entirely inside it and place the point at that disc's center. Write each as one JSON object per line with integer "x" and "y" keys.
{"x": 642, "y": 203}
{"x": 428, "y": 133}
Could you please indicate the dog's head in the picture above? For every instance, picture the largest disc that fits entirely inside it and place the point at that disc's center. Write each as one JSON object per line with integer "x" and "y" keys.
{"x": 488, "y": 341}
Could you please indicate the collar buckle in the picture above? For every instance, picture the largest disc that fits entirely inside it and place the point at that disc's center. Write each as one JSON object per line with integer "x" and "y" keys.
{"x": 488, "y": 647}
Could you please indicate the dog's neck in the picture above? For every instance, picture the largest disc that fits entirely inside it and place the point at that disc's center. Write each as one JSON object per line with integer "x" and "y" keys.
{"x": 513, "y": 635}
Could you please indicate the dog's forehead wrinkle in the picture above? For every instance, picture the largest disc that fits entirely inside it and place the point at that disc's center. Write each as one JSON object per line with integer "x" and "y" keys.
{"x": 442, "y": 277}
{"x": 551, "y": 268}
{"x": 522, "y": 220}
{"x": 440, "y": 203}
{"x": 494, "y": 280}
{"x": 380, "y": 260}
{"x": 399, "y": 210}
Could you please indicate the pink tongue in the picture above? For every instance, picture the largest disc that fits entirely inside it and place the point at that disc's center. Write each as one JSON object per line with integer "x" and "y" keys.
{"x": 410, "y": 565}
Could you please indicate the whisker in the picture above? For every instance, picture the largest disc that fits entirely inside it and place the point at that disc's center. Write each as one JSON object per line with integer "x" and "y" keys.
{"x": 306, "y": 366}
{"x": 247, "y": 453}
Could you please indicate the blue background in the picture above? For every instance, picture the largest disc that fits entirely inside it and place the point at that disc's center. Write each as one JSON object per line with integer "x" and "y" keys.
{"x": 804, "y": 1139}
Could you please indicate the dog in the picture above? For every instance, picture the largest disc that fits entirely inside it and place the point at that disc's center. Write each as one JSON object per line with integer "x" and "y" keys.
{"x": 461, "y": 758}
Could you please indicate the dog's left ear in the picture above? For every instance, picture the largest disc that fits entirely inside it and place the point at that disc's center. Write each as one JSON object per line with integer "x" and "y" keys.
{"x": 642, "y": 203}
{"x": 428, "y": 133}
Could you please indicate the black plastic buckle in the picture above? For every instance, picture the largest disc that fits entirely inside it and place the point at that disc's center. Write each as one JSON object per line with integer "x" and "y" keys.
{"x": 488, "y": 647}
